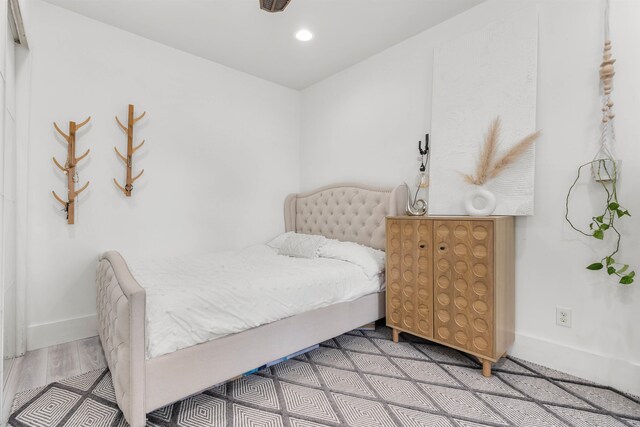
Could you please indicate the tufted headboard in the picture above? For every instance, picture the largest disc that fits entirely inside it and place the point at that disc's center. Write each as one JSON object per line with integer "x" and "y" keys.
{"x": 347, "y": 212}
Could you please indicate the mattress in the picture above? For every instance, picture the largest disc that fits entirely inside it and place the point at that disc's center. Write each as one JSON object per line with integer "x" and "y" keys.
{"x": 191, "y": 300}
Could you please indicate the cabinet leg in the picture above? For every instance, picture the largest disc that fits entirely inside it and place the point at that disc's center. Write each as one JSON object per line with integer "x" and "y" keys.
{"x": 396, "y": 335}
{"x": 486, "y": 368}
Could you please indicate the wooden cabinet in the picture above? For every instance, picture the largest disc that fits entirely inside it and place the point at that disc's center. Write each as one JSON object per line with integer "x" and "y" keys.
{"x": 451, "y": 280}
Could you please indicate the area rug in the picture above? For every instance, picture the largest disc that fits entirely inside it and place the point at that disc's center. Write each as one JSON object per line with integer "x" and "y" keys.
{"x": 360, "y": 379}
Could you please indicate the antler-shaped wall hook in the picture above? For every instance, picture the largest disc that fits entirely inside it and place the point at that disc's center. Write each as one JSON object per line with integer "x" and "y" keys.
{"x": 128, "y": 159}
{"x": 69, "y": 168}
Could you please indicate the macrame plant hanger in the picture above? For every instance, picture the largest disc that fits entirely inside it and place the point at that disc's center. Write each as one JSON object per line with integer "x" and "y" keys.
{"x": 604, "y": 166}
{"x": 605, "y": 171}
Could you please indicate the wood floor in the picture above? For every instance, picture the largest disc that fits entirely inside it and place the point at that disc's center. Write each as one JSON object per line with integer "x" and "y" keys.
{"x": 40, "y": 367}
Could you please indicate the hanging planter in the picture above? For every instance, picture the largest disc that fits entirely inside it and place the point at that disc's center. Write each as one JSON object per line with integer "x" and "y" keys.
{"x": 605, "y": 170}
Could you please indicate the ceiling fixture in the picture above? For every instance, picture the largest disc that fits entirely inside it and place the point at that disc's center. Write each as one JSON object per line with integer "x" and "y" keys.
{"x": 304, "y": 35}
{"x": 274, "y": 5}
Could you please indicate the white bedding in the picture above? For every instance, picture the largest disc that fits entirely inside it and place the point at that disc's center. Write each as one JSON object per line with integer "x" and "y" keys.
{"x": 191, "y": 300}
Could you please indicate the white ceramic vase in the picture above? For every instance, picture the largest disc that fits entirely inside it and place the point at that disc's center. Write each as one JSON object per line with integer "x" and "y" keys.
{"x": 479, "y": 202}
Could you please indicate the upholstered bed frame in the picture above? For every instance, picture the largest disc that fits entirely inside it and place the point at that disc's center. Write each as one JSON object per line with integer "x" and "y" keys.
{"x": 347, "y": 212}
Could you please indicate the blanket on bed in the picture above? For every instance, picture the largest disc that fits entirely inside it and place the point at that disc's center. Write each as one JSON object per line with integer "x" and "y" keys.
{"x": 191, "y": 300}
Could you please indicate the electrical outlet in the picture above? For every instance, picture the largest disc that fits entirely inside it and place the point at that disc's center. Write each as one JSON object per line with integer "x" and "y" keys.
{"x": 563, "y": 317}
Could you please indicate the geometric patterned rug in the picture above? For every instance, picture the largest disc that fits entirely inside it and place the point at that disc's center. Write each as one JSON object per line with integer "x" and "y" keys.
{"x": 359, "y": 379}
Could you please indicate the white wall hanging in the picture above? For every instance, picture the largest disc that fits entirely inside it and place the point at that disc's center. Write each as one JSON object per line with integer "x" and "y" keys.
{"x": 484, "y": 74}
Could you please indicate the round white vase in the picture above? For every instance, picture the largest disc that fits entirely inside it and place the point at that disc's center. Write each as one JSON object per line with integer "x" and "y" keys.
{"x": 480, "y": 201}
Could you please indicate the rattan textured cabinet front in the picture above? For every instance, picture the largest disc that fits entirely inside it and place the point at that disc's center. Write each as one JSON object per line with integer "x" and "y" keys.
{"x": 451, "y": 280}
{"x": 409, "y": 278}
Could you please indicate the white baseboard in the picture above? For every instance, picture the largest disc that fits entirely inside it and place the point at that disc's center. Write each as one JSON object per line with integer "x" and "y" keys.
{"x": 604, "y": 369}
{"x": 52, "y": 333}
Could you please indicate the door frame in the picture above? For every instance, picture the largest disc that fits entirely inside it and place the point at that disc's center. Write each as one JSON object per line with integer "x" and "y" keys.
{"x": 22, "y": 86}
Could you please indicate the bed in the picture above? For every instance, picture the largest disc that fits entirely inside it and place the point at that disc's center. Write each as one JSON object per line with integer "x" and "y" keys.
{"x": 346, "y": 212}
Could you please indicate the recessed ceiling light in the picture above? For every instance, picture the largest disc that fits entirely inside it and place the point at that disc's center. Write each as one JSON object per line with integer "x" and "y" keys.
{"x": 304, "y": 35}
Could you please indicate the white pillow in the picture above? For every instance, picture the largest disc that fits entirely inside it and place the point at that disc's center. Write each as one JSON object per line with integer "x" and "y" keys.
{"x": 370, "y": 260}
{"x": 277, "y": 241}
{"x": 302, "y": 245}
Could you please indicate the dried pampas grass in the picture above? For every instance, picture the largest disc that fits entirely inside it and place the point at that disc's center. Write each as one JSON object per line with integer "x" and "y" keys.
{"x": 513, "y": 154}
{"x": 486, "y": 154}
{"x": 487, "y": 168}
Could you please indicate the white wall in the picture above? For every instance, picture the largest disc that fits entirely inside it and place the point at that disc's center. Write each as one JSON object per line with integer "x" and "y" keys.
{"x": 221, "y": 154}
{"x": 363, "y": 124}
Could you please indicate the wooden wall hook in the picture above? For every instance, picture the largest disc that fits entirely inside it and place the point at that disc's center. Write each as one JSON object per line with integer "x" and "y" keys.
{"x": 128, "y": 159}
{"x": 69, "y": 168}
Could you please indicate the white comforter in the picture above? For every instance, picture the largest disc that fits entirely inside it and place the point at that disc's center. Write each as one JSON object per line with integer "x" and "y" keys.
{"x": 191, "y": 300}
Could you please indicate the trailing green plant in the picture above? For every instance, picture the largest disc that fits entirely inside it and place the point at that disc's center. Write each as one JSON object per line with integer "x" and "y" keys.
{"x": 605, "y": 223}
